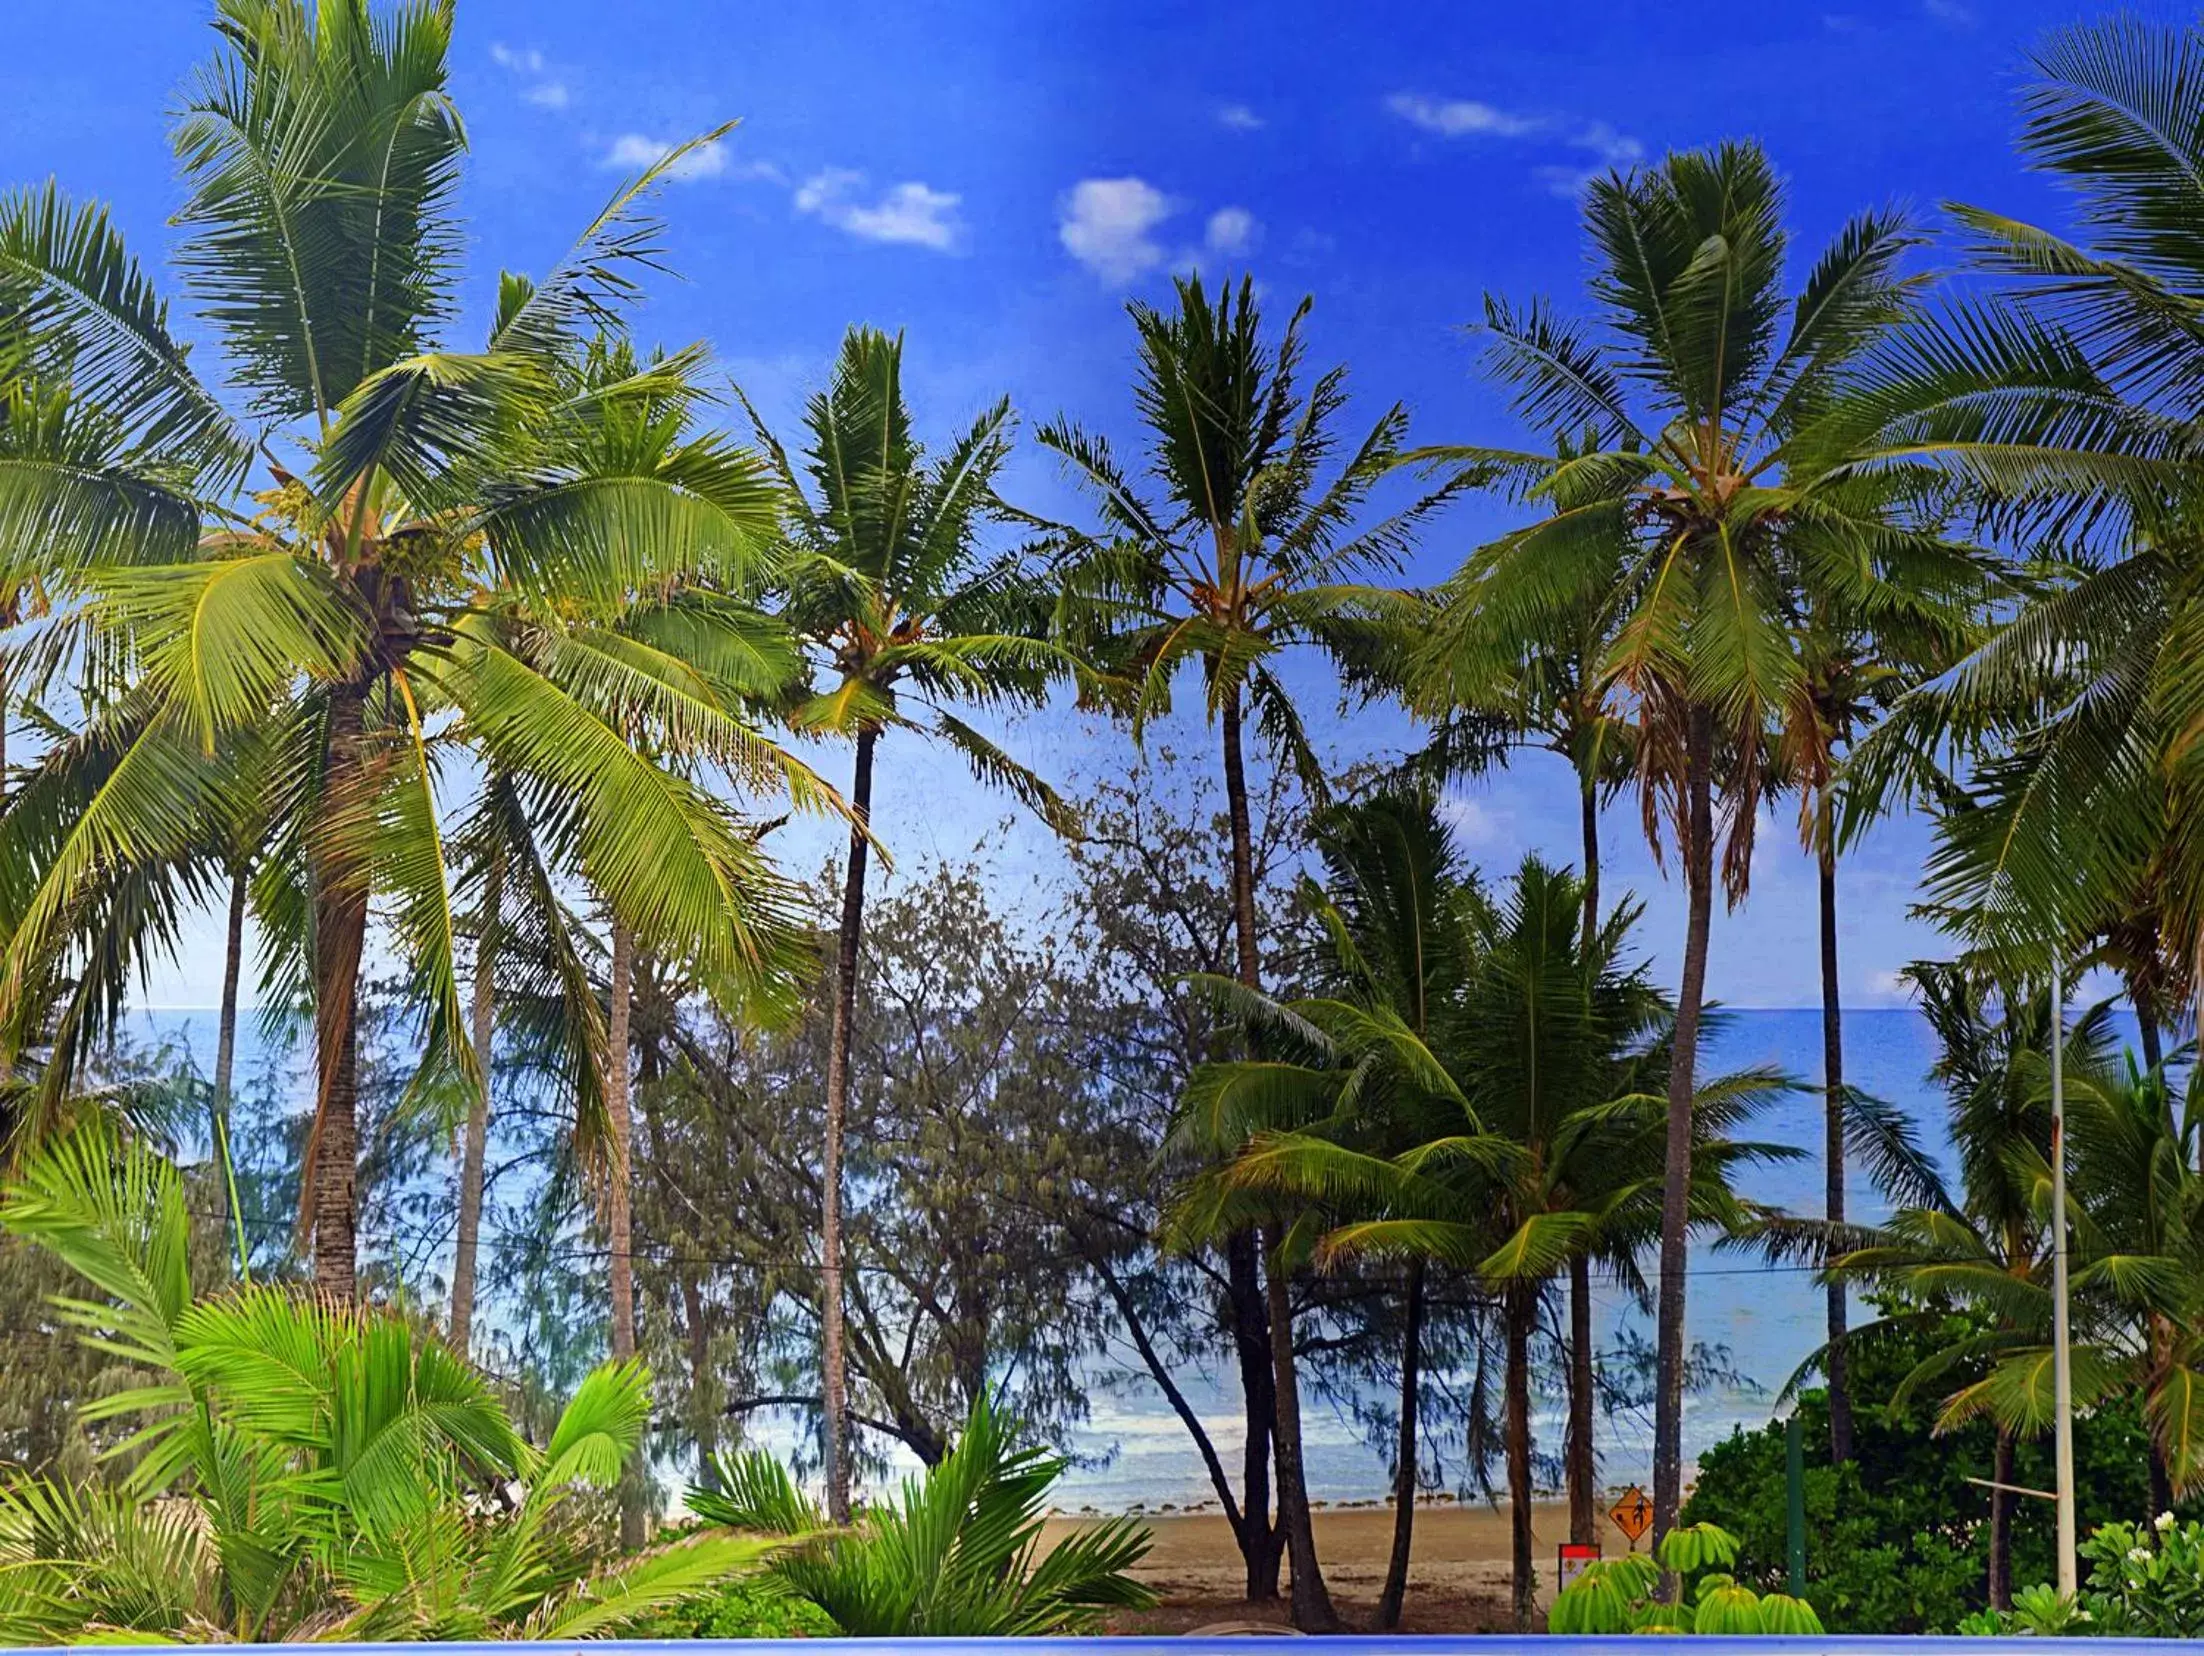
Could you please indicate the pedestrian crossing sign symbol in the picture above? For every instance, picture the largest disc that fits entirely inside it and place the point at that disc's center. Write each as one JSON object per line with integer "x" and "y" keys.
{"x": 1633, "y": 1514}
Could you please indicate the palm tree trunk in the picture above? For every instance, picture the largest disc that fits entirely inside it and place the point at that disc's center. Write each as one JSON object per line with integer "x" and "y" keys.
{"x": 1668, "y": 1404}
{"x": 474, "y": 1149}
{"x": 225, "y": 1052}
{"x": 1838, "y": 1366}
{"x": 1404, "y": 1475}
{"x": 340, "y": 935}
{"x": 1262, "y": 1541}
{"x": 619, "y": 1198}
{"x": 1523, "y": 1574}
{"x": 1252, "y": 1311}
{"x": 704, "y": 1401}
{"x": 2146, "y": 1023}
{"x": 833, "y": 1360}
{"x": 2161, "y": 1337}
{"x": 1583, "y": 1469}
{"x": 1312, "y": 1604}
{"x": 2001, "y": 1523}
{"x": 1583, "y": 1463}
{"x": 1588, "y": 806}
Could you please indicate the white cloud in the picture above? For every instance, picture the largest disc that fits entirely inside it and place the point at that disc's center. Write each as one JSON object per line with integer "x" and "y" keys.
{"x": 1459, "y": 117}
{"x": 1231, "y": 231}
{"x": 1238, "y": 117}
{"x": 1888, "y": 986}
{"x": 527, "y": 63}
{"x": 1475, "y": 823}
{"x": 1953, "y": 14}
{"x": 633, "y": 151}
{"x": 1108, "y": 225}
{"x": 1609, "y": 150}
{"x": 910, "y": 213}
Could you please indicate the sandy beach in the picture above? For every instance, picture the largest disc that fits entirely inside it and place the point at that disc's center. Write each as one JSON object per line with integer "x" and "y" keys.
{"x": 1457, "y": 1581}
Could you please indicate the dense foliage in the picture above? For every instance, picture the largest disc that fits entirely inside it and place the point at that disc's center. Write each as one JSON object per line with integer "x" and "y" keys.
{"x": 456, "y": 661}
{"x": 295, "y": 1467}
{"x": 1898, "y": 1539}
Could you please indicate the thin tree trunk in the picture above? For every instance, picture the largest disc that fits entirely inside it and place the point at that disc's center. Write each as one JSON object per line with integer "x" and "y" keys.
{"x": 225, "y": 1055}
{"x": 1523, "y": 1572}
{"x": 1262, "y": 1543}
{"x": 704, "y": 1402}
{"x": 1160, "y": 1373}
{"x": 1312, "y": 1605}
{"x": 474, "y": 1149}
{"x": 833, "y": 1360}
{"x": 1589, "y": 808}
{"x": 340, "y": 936}
{"x": 2146, "y": 1023}
{"x": 1583, "y": 1466}
{"x": 1583, "y": 1462}
{"x": 2161, "y": 1361}
{"x": 1668, "y": 1407}
{"x": 1838, "y": 1365}
{"x": 1252, "y": 1310}
{"x": 1404, "y": 1476}
{"x": 2001, "y": 1523}
{"x": 619, "y": 1198}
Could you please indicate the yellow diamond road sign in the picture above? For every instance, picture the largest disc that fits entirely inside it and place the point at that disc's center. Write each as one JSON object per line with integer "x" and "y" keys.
{"x": 1633, "y": 1514}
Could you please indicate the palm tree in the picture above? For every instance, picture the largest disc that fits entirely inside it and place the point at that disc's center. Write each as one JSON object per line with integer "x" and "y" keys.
{"x": 1855, "y": 666}
{"x": 2068, "y": 403}
{"x": 443, "y": 506}
{"x": 1461, "y": 1099}
{"x": 1714, "y": 437}
{"x": 1247, "y": 551}
{"x": 906, "y": 616}
{"x": 1396, "y": 904}
{"x": 956, "y": 1554}
{"x": 1489, "y": 690}
{"x": 679, "y": 669}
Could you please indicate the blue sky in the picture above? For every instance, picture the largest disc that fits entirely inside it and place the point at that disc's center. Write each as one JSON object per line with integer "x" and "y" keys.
{"x": 998, "y": 178}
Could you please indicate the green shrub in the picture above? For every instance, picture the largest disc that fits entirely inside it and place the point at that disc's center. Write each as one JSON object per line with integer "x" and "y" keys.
{"x": 1615, "y": 1595}
{"x": 2145, "y": 1582}
{"x": 742, "y": 1610}
{"x": 1898, "y": 1539}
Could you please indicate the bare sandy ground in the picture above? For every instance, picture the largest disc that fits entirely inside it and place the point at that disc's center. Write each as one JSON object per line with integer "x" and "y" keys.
{"x": 1457, "y": 1578}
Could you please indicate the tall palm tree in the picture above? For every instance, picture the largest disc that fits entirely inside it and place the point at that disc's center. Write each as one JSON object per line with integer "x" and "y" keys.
{"x": 1529, "y": 1153}
{"x": 906, "y": 615}
{"x": 679, "y": 668}
{"x": 1722, "y": 448}
{"x": 1854, "y": 667}
{"x": 1247, "y": 549}
{"x": 1489, "y": 690}
{"x": 438, "y": 505}
{"x": 1396, "y": 904}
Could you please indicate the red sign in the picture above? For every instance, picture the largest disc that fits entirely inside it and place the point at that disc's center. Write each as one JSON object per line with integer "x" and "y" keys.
{"x": 1574, "y": 1556}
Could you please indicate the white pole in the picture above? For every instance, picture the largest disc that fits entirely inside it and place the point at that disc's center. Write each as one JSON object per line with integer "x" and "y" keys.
{"x": 2062, "y": 1357}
